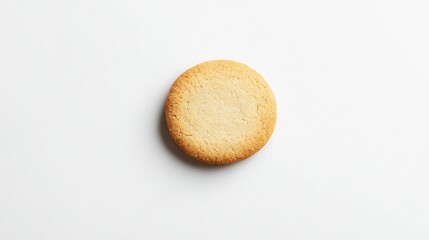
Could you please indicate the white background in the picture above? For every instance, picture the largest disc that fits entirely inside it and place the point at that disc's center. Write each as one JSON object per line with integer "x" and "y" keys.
{"x": 83, "y": 148}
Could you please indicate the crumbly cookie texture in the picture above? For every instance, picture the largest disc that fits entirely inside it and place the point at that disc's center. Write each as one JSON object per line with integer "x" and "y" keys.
{"x": 220, "y": 112}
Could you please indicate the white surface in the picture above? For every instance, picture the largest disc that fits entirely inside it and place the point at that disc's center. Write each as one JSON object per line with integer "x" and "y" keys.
{"x": 84, "y": 155}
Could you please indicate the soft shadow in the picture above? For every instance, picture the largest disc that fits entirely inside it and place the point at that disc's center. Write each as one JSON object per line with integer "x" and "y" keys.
{"x": 175, "y": 150}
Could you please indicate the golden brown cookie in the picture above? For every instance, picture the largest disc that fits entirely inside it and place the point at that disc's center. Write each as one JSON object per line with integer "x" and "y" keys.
{"x": 220, "y": 112}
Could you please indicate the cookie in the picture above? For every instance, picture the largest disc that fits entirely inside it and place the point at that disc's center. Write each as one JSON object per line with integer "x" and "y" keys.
{"x": 220, "y": 112}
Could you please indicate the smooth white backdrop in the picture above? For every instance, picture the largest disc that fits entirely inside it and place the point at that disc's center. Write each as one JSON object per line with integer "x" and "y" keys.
{"x": 84, "y": 153}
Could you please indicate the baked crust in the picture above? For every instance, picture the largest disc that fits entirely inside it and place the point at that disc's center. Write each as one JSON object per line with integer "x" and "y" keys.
{"x": 220, "y": 112}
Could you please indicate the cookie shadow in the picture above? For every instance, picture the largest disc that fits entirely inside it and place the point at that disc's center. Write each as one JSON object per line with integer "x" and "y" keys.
{"x": 175, "y": 150}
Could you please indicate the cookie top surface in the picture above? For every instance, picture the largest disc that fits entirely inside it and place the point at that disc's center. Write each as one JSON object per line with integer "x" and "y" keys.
{"x": 220, "y": 112}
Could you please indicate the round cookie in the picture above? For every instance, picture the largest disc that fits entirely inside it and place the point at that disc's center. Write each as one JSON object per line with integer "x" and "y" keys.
{"x": 220, "y": 112}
